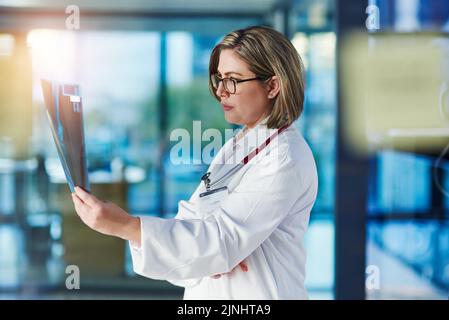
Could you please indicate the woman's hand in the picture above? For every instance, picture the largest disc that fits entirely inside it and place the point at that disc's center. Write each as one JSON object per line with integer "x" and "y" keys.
{"x": 242, "y": 266}
{"x": 106, "y": 217}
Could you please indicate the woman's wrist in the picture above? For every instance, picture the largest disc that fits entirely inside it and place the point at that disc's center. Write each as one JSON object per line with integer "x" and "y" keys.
{"x": 132, "y": 231}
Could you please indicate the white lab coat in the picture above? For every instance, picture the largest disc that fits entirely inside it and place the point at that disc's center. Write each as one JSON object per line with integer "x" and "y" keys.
{"x": 262, "y": 220}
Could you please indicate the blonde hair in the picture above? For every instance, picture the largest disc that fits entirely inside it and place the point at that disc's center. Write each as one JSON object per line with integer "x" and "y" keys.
{"x": 268, "y": 53}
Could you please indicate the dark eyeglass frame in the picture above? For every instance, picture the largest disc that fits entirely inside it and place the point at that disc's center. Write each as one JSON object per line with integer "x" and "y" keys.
{"x": 215, "y": 80}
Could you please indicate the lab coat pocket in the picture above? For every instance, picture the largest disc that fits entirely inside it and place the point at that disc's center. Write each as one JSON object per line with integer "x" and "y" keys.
{"x": 209, "y": 201}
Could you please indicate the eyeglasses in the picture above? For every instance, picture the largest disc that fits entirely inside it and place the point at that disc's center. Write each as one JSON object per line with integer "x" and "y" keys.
{"x": 229, "y": 84}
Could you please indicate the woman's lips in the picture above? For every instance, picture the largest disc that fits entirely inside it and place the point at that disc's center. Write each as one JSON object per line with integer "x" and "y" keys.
{"x": 226, "y": 107}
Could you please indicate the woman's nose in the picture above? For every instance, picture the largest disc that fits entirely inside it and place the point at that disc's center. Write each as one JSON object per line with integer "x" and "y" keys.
{"x": 221, "y": 92}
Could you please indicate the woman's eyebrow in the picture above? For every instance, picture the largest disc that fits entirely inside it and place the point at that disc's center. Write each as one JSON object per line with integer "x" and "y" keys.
{"x": 230, "y": 72}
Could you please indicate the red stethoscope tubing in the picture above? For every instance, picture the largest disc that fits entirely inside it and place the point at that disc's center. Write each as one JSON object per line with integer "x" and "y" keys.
{"x": 245, "y": 160}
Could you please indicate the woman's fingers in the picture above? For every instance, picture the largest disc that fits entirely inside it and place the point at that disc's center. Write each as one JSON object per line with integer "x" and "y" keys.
{"x": 87, "y": 198}
{"x": 77, "y": 202}
{"x": 243, "y": 266}
{"x": 80, "y": 206}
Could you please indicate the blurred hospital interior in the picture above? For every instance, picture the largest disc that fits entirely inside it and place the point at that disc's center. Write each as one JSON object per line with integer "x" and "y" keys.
{"x": 376, "y": 117}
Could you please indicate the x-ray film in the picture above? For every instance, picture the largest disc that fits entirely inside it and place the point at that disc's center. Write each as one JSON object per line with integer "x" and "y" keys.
{"x": 65, "y": 114}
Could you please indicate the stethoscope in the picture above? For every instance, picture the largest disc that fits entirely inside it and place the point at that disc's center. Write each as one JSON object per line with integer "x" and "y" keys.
{"x": 206, "y": 177}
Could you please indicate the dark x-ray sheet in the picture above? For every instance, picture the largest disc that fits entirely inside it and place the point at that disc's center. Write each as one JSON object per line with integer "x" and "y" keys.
{"x": 65, "y": 114}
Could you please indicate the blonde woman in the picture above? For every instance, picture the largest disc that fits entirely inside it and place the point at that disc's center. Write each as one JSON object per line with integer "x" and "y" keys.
{"x": 241, "y": 234}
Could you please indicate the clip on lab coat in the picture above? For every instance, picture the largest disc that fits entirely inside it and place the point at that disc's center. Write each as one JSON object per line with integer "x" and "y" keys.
{"x": 209, "y": 184}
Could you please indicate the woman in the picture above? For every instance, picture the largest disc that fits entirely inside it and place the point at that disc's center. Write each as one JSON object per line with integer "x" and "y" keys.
{"x": 253, "y": 214}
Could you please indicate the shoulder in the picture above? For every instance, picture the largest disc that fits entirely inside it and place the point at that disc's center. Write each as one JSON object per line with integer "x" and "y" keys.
{"x": 290, "y": 152}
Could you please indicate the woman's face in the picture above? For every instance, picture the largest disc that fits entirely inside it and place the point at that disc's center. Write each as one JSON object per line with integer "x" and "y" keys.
{"x": 251, "y": 102}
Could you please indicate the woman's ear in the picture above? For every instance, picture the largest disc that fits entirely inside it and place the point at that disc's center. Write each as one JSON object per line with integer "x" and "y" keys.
{"x": 274, "y": 87}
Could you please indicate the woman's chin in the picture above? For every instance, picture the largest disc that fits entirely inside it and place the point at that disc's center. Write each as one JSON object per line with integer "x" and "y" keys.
{"x": 231, "y": 118}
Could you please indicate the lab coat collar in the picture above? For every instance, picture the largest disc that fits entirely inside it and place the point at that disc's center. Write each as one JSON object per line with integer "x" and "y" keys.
{"x": 253, "y": 137}
{"x": 238, "y": 147}
{"x": 241, "y": 144}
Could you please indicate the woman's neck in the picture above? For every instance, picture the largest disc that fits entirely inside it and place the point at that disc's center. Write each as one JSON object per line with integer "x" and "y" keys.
{"x": 248, "y": 127}
{"x": 255, "y": 123}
